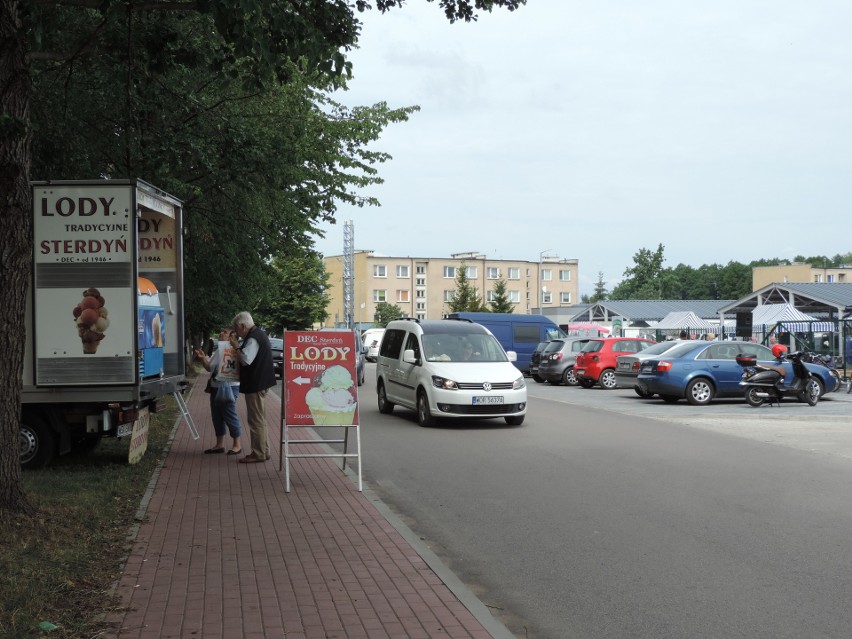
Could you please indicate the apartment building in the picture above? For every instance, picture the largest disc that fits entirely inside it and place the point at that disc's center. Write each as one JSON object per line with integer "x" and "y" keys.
{"x": 422, "y": 286}
{"x": 798, "y": 273}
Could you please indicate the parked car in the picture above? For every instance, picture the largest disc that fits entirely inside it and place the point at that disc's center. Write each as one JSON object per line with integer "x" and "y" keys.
{"x": 559, "y": 358}
{"x": 627, "y": 366}
{"x": 701, "y": 371}
{"x": 535, "y": 359}
{"x": 277, "y": 345}
{"x": 372, "y": 339}
{"x": 596, "y": 362}
{"x": 448, "y": 369}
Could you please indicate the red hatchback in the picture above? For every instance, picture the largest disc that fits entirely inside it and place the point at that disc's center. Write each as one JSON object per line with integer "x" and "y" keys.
{"x": 596, "y": 362}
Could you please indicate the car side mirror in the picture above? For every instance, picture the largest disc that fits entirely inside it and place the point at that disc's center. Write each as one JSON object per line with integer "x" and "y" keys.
{"x": 409, "y": 358}
{"x": 512, "y": 355}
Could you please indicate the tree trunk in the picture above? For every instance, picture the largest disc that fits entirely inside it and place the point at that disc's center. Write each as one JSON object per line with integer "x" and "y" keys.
{"x": 16, "y": 231}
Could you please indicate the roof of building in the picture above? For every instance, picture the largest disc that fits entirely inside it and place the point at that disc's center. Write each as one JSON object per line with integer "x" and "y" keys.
{"x": 649, "y": 310}
{"x": 820, "y": 299}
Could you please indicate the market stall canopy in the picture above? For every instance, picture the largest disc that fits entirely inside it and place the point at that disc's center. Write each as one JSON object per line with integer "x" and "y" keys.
{"x": 583, "y": 327}
{"x": 683, "y": 320}
{"x": 769, "y": 315}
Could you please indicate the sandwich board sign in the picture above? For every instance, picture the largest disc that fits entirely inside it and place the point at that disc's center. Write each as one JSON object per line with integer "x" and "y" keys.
{"x": 320, "y": 389}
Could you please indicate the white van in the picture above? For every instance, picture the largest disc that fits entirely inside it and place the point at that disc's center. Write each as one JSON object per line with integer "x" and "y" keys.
{"x": 371, "y": 338}
{"x": 450, "y": 368}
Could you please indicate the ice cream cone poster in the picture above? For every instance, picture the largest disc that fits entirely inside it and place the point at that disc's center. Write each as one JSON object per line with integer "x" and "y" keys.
{"x": 319, "y": 378}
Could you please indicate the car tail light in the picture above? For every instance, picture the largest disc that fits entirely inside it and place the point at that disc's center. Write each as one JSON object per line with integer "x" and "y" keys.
{"x": 663, "y": 366}
{"x": 556, "y": 357}
{"x": 636, "y": 365}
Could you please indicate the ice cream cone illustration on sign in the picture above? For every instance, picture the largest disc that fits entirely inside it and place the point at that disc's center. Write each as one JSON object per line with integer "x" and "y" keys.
{"x": 92, "y": 320}
{"x": 332, "y": 402}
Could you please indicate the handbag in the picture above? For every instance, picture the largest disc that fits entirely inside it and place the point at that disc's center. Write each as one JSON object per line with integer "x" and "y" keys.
{"x": 209, "y": 388}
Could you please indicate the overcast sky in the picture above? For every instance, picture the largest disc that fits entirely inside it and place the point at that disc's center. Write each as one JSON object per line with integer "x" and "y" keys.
{"x": 592, "y": 129}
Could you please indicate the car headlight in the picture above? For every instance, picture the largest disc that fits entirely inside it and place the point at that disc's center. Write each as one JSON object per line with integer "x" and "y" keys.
{"x": 519, "y": 383}
{"x": 443, "y": 382}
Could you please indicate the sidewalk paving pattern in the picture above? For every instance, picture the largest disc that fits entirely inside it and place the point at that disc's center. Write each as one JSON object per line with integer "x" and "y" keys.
{"x": 225, "y": 553}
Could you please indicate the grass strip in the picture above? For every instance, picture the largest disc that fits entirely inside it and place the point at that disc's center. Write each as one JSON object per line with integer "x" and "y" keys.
{"x": 58, "y": 566}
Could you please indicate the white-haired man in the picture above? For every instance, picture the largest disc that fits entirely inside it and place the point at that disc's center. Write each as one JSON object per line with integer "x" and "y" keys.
{"x": 257, "y": 376}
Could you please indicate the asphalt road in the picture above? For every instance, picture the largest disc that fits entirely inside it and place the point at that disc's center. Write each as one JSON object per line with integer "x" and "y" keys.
{"x": 604, "y": 515}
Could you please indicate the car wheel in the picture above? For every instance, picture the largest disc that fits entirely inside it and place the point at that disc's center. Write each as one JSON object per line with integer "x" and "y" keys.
{"x": 515, "y": 420}
{"x": 538, "y": 378}
{"x": 607, "y": 379}
{"x": 37, "y": 442}
{"x": 385, "y": 407}
{"x": 670, "y": 399}
{"x": 424, "y": 415}
{"x": 699, "y": 392}
{"x": 586, "y": 383}
{"x": 813, "y": 391}
{"x": 568, "y": 377}
{"x": 643, "y": 394}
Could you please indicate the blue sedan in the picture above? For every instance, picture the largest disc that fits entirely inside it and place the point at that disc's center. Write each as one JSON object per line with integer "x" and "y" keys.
{"x": 701, "y": 371}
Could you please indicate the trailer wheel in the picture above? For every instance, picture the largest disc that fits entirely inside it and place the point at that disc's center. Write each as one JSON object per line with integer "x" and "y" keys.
{"x": 37, "y": 441}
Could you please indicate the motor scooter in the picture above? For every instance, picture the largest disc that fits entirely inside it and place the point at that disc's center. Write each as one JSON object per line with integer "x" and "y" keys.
{"x": 766, "y": 383}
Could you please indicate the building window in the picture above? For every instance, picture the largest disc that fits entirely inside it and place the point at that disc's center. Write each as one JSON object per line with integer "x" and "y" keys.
{"x": 421, "y": 306}
{"x": 420, "y": 294}
{"x": 493, "y": 273}
{"x": 421, "y": 316}
{"x": 564, "y": 275}
{"x": 818, "y": 278}
{"x": 380, "y": 270}
{"x": 380, "y": 295}
{"x": 402, "y": 270}
{"x": 515, "y": 297}
{"x": 450, "y": 271}
{"x": 450, "y": 296}
{"x": 546, "y": 298}
{"x": 829, "y": 278}
{"x": 565, "y": 298}
{"x": 421, "y": 281}
{"x": 420, "y": 270}
{"x": 514, "y": 273}
{"x": 403, "y": 296}
{"x": 471, "y": 272}
{"x": 546, "y": 275}
{"x": 490, "y": 297}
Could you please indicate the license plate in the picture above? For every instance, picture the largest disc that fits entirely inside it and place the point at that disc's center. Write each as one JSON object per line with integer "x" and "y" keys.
{"x": 124, "y": 430}
{"x": 479, "y": 400}
{"x": 625, "y": 366}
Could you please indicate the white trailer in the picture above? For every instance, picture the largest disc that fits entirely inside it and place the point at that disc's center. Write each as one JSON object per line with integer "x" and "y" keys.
{"x": 105, "y": 317}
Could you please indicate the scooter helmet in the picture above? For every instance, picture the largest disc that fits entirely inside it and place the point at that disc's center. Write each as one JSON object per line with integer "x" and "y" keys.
{"x": 778, "y": 350}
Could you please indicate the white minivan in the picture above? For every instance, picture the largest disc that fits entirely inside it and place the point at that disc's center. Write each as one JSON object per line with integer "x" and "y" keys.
{"x": 450, "y": 368}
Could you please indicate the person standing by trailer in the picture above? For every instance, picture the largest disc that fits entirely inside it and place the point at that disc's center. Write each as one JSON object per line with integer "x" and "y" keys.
{"x": 257, "y": 376}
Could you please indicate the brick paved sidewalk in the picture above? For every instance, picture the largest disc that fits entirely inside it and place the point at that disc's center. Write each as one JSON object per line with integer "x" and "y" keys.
{"x": 225, "y": 552}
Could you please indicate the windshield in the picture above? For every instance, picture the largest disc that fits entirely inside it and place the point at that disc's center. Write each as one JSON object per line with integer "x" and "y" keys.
{"x": 555, "y": 345}
{"x": 593, "y": 347}
{"x": 453, "y": 347}
{"x": 662, "y": 347}
{"x": 682, "y": 349}
{"x": 276, "y": 343}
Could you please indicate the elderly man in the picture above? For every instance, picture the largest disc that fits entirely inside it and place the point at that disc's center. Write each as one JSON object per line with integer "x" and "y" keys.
{"x": 256, "y": 378}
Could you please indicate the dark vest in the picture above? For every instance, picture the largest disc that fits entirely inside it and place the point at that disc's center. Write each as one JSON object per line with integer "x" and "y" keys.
{"x": 259, "y": 375}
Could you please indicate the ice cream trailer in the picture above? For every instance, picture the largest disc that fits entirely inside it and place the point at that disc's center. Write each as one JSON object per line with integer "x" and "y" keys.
{"x": 105, "y": 314}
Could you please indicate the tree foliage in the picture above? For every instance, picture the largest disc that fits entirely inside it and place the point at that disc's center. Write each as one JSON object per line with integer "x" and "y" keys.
{"x": 296, "y": 298}
{"x": 501, "y": 302}
{"x": 386, "y": 313}
{"x": 466, "y": 297}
